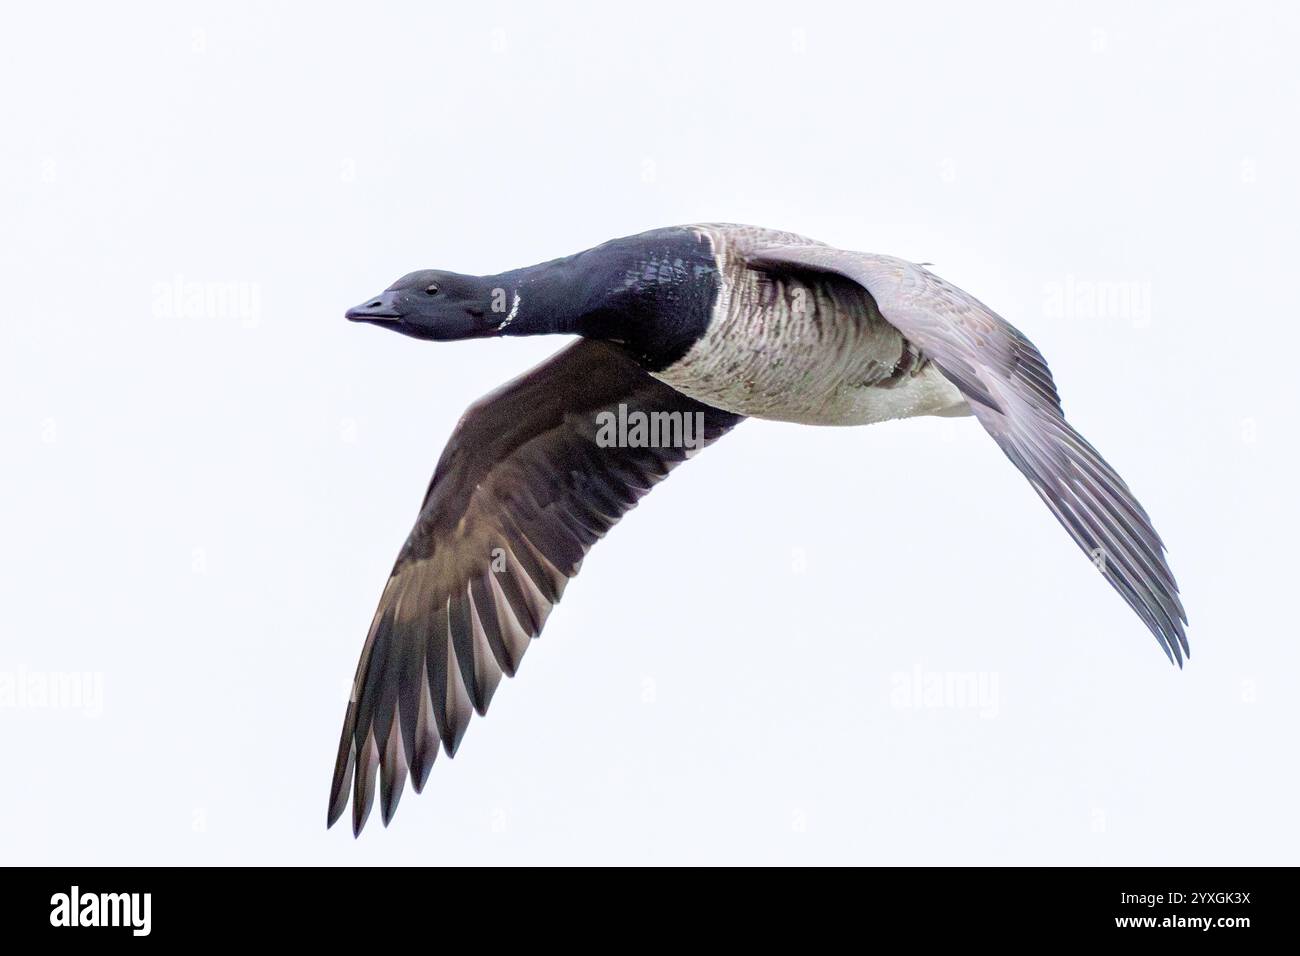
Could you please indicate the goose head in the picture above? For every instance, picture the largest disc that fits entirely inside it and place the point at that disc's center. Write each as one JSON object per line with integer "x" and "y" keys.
{"x": 436, "y": 305}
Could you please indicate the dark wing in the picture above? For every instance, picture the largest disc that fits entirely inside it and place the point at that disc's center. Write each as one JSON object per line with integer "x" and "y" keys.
{"x": 525, "y": 486}
{"x": 1011, "y": 392}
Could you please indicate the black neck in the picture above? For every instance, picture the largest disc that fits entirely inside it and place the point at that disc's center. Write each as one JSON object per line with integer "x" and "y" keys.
{"x": 653, "y": 292}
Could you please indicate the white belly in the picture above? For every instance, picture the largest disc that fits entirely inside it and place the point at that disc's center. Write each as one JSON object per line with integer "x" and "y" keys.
{"x": 926, "y": 393}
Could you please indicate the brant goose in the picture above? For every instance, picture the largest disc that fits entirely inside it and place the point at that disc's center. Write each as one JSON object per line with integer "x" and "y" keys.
{"x": 683, "y": 333}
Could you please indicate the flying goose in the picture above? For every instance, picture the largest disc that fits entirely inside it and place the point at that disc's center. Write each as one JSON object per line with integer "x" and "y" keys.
{"x": 694, "y": 328}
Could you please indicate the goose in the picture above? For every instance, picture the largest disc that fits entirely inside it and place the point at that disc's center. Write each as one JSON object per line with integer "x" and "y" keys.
{"x": 693, "y": 328}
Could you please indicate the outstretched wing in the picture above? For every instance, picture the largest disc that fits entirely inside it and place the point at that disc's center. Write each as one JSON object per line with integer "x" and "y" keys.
{"x": 1011, "y": 392}
{"x": 525, "y": 486}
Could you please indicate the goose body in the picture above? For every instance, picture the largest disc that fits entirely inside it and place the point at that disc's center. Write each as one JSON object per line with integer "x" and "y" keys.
{"x": 802, "y": 347}
{"x": 708, "y": 323}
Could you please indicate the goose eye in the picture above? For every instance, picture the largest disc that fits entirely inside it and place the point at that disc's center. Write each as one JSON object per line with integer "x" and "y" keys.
{"x": 432, "y": 289}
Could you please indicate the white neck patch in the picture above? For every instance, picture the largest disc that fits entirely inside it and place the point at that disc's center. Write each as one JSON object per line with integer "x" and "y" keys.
{"x": 514, "y": 310}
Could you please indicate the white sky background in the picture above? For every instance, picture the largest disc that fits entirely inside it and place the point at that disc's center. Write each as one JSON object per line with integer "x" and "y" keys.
{"x": 200, "y": 507}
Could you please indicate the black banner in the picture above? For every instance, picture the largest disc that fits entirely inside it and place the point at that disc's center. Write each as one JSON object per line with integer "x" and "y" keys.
{"x": 976, "y": 905}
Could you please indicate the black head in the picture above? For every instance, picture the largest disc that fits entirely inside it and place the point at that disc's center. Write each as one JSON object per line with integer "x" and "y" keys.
{"x": 435, "y": 305}
{"x": 653, "y": 293}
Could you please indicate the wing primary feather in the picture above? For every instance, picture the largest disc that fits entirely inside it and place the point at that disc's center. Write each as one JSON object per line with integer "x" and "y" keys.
{"x": 392, "y": 779}
{"x": 451, "y": 708}
{"x": 485, "y": 606}
{"x": 512, "y": 590}
{"x": 369, "y": 686}
{"x": 426, "y": 740}
{"x": 478, "y": 665}
{"x": 363, "y": 796}
{"x": 342, "y": 782}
